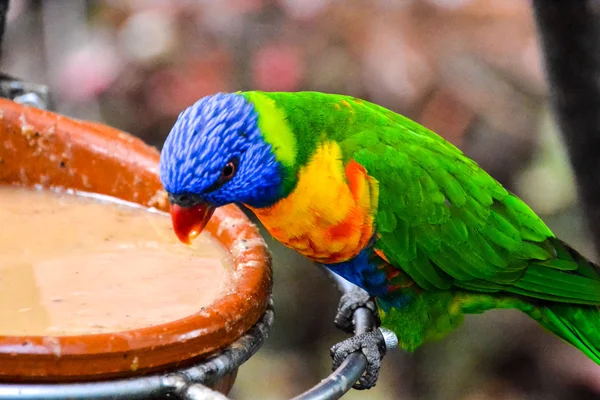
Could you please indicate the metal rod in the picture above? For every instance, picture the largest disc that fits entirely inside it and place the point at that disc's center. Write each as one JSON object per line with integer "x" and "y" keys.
{"x": 570, "y": 39}
{"x": 137, "y": 388}
{"x": 341, "y": 380}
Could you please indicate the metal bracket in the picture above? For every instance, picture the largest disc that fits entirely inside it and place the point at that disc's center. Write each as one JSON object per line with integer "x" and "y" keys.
{"x": 27, "y": 93}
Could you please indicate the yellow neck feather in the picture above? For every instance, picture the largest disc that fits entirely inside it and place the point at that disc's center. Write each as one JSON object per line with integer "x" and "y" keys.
{"x": 329, "y": 215}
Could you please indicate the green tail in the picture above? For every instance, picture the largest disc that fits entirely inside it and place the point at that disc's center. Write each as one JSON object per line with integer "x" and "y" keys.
{"x": 572, "y": 319}
{"x": 578, "y": 325}
{"x": 573, "y": 309}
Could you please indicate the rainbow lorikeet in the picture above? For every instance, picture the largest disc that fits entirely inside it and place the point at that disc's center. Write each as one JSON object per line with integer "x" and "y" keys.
{"x": 385, "y": 203}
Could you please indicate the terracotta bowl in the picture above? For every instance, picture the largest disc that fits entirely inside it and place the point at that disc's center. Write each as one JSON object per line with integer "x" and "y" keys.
{"x": 43, "y": 148}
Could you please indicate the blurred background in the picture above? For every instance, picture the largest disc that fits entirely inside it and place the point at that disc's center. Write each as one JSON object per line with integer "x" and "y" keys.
{"x": 469, "y": 69}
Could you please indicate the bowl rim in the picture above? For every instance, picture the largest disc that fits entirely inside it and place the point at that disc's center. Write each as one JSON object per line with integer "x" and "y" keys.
{"x": 147, "y": 349}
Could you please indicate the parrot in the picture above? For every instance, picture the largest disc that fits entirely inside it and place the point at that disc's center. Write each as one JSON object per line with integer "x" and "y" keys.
{"x": 425, "y": 233}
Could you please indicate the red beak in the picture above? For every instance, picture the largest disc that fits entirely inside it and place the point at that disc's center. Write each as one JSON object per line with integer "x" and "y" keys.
{"x": 188, "y": 222}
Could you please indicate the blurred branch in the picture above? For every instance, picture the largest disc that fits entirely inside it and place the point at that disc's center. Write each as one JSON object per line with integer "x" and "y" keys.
{"x": 570, "y": 39}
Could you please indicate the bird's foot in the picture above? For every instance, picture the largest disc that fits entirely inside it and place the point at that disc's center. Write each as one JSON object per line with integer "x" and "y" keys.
{"x": 350, "y": 302}
{"x": 373, "y": 345}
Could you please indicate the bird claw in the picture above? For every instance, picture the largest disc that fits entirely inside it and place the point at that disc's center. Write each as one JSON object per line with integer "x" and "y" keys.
{"x": 350, "y": 302}
{"x": 373, "y": 345}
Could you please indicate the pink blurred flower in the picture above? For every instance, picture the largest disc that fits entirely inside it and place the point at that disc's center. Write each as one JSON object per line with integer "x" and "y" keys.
{"x": 172, "y": 89}
{"x": 277, "y": 67}
{"x": 88, "y": 72}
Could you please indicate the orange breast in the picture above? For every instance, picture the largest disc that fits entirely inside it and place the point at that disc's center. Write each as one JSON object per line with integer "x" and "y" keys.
{"x": 329, "y": 216}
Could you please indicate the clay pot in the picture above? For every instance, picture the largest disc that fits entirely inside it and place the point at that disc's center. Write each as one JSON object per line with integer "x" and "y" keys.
{"x": 43, "y": 148}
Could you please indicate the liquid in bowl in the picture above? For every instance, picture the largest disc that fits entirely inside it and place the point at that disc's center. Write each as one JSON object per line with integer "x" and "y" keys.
{"x": 85, "y": 264}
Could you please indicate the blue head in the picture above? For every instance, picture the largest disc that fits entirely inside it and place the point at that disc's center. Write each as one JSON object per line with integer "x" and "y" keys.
{"x": 216, "y": 154}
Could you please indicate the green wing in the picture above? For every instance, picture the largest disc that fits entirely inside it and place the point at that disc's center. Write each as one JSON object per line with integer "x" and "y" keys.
{"x": 447, "y": 223}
